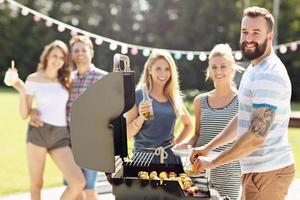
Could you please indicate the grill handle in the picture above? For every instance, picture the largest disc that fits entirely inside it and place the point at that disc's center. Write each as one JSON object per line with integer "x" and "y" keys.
{"x": 117, "y": 63}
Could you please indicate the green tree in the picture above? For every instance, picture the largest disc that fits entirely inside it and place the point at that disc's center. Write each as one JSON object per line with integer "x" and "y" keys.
{"x": 193, "y": 25}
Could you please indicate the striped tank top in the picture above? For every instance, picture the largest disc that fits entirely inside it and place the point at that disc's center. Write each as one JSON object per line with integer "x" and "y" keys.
{"x": 226, "y": 178}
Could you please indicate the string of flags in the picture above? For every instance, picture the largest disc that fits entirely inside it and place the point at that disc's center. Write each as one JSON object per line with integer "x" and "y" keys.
{"x": 126, "y": 48}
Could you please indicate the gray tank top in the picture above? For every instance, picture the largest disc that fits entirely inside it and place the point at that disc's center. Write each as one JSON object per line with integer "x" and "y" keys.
{"x": 225, "y": 178}
{"x": 214, "y": 120}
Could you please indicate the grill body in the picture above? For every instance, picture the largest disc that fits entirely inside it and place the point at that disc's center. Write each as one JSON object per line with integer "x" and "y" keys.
{"x": 127, "y": 185}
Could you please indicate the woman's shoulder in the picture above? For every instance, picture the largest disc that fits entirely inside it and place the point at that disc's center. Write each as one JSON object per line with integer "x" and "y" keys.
{"x": 34, "y": 77}
{"x": 39, "y": 77}
{"x": 201, "y": 96}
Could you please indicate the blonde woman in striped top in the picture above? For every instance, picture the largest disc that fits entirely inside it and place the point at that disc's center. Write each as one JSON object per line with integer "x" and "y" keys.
{"x": 213, "y": 111}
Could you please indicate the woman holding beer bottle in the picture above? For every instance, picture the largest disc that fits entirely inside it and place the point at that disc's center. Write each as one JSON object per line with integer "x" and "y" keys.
{"x": 159, "y": 103}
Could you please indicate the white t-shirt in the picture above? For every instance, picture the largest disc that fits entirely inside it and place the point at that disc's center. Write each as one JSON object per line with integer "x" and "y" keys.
{"x": 50, "y": 100}
{"x": 266, "y": 85}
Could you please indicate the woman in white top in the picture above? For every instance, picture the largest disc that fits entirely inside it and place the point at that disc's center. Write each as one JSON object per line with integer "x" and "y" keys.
{"x": 49, "y": 88}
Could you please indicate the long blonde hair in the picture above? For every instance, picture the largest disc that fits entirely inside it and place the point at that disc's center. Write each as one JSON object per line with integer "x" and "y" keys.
{"x": 171, "y": 88}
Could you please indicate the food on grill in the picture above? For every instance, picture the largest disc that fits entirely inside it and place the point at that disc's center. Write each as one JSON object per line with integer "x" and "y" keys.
{"x": 153, "y": 175}
{"x": 193, "y": 190}
{"x": 190, "y": 170}
{"x": 187, "y": 183}
{"x": 143, "y": 175}
{"x": 172, "y": 174}
{"x": 163, "y": 175}
{"x": 183, "y": 179}
{"x": 187, "y": 179}
{"x": 182, "y": 176}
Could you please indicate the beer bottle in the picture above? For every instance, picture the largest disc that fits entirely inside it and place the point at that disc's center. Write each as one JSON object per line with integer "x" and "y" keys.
{"x": 149, "y": 115}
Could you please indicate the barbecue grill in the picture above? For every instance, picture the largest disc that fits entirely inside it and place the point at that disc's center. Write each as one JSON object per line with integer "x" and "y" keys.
{"x": 99, "y": 140}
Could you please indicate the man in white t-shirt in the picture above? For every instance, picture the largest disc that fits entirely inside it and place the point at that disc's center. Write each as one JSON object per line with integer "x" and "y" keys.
{"x": 262, "y": 122}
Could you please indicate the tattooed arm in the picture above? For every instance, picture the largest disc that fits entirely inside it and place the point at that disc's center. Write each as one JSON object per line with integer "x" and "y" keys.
{"x": 261, "y": 120}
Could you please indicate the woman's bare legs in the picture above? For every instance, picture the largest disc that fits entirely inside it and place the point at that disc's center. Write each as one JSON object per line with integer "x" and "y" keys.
{"x": 91, "y": 194}
{"x": 88, "y": 195}
{"x": 64, "y": 159}
{"x": 36, "y": 157}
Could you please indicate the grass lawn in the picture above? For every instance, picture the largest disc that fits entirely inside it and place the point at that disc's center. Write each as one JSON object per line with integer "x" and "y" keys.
{"x": 295, "y": 106}
{"x": 13, "y": 167}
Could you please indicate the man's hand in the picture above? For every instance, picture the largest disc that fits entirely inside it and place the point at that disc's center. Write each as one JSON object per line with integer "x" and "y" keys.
{"x": 199, "y": 151}
{"x": 202, "y": 163}
{"x": 35, "y": 118}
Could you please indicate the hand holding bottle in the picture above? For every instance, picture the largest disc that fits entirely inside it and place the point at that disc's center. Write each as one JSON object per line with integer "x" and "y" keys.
{"x": 145, "y": 108}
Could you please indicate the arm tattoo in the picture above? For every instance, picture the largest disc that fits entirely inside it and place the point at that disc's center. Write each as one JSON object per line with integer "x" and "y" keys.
{"x": 261, "y": 120}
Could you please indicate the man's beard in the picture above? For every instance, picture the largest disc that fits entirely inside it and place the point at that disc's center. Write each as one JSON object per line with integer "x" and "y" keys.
{"x": 259, "y": 50}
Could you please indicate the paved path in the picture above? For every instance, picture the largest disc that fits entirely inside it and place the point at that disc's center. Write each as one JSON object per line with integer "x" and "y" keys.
{"x": 51, "y": 194}
{"x": 54, "y": 193}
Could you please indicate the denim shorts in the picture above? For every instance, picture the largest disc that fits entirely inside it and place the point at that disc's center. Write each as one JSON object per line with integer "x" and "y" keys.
{"x": 90, "y": 178}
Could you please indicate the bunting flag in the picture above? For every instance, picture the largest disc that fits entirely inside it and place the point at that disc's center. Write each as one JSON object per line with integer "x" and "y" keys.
{"x": 126, "y": 48}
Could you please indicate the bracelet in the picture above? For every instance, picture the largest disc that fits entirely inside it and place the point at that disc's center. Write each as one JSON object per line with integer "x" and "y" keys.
{"x": 134, "y": 124}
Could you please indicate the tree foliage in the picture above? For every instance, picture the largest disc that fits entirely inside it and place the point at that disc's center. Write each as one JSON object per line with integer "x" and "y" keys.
{"x": 194, "y": 25}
